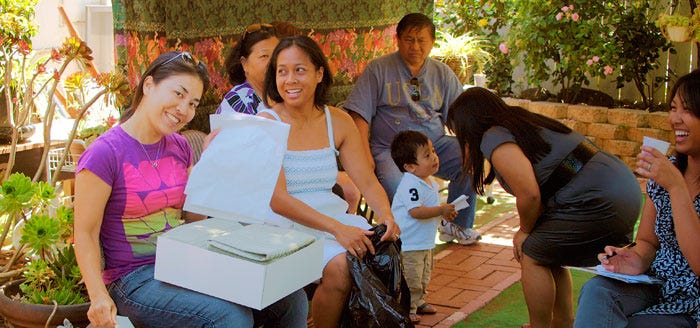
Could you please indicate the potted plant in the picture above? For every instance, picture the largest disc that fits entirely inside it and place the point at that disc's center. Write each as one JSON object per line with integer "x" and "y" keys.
{"x": 675, "y": 27}
{"x": 42, "y": 263}
{"x": 50, "y": 276}
{"x": 464, "y": 53}
{"x": 26, "y": 81}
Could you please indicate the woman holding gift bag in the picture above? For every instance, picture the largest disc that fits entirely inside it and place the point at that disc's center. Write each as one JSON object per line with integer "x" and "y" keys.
{"x": 567, "y": 206}
{"x": 246, "y": 66}
{"x": 129, "y": 190}
{"x": 297, "y": 81}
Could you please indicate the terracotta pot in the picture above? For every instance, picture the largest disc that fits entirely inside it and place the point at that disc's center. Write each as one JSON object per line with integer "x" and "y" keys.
{"x": 35, "y": 315}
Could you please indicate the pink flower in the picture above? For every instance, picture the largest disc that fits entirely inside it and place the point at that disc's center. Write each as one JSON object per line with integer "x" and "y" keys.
{"x": 571, "y": 7}
{"x": 589, "y": 62}
{"x": 596, "y": 59}
{"x": 24, "y": 47}
{"x": 565, "y": 8}
{"x": 607, "y": 70}
{"x": 503, "y": 48}
{"x": 574, "y": 17}
{"x": 559, "y": 15}
{"x": 55, "y": 55}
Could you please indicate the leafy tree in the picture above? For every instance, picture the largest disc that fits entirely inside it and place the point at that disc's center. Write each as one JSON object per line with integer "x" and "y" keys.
{"x": 488, "y": 19}
{"x": 640, "y": 43}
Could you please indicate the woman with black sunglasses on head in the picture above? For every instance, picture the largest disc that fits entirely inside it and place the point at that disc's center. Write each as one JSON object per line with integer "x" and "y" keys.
{"x": 129, "y": 190}
{"x": 246, "y": 65}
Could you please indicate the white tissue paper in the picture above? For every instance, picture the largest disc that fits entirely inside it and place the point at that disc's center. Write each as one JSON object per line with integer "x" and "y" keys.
{"x": 237, "y": 173}
{"x": 460, "y": 202}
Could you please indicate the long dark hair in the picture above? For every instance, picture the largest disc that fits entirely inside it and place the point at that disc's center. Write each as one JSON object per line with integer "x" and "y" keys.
{"x": 233, "y": 65}
{"x": 688, "y": 89}
{"x": 165, "y": 66}
{"x": 318, "y": 59}
{"x": 476, "y": 110}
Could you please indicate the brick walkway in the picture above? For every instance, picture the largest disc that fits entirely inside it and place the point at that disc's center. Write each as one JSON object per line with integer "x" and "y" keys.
{"x": 465, "y": 278}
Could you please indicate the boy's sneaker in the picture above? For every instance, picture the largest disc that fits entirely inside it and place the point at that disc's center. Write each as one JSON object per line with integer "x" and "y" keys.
{"x": 450, "y": 231}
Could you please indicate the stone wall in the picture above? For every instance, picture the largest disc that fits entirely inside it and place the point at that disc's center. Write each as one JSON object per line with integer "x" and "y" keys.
{"x": 618, "y": 131}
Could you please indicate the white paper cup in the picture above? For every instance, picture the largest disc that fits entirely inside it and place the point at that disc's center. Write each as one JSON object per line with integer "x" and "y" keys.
{"x": 660, "y": 145}
{"x": 480, "y": 80}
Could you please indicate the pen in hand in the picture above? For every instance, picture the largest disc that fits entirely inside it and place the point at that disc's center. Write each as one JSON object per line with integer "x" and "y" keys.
{"x": 630, "y": 245}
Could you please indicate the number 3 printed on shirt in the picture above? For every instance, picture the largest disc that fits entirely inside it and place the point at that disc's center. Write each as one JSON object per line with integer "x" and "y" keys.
{"x": 414, "y": 194}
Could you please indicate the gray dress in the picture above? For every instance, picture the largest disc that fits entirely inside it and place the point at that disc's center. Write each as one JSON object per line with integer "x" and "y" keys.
{"x": 598, "y": 207}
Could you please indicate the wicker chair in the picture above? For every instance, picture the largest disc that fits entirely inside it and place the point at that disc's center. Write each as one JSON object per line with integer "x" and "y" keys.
{"x": 196, "y": 141}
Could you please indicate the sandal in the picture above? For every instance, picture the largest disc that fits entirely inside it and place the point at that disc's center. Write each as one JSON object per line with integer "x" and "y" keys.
{"x": 426, "y": 308}
{"x": 415, "y": 318}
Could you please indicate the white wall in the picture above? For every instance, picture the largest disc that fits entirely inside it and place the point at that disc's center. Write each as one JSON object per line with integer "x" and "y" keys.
{"x": 53, "y": 30}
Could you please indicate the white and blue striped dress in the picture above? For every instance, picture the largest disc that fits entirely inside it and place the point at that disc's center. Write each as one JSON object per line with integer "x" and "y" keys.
{"x": 310, "y": 176}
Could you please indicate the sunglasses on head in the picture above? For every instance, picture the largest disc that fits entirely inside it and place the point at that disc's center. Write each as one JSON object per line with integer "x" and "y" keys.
{"x": 185, "y": 55}
{"x": 256, "y": 27}
{"x": 415, "y": 88}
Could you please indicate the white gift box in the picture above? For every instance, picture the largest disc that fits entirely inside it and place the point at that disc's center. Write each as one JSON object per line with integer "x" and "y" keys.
{"x": 233, "y": 182}
{"x": 184, "y": 258}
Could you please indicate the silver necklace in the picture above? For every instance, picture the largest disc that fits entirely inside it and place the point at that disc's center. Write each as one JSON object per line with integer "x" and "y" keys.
{"x": 154, "y": 163}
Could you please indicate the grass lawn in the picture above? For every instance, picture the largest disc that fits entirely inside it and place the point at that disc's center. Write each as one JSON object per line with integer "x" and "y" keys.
{"x": 508, "y": 308}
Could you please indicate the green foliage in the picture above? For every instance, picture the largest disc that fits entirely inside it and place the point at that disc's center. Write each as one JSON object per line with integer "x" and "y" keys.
{"x": 463, "y": 48}
{"x": 26, "y": 78}
{"x": 567, "y": 43}
{"x": 52, "y": 272}
{"x": 485, "y": 19}
{"x": 695, "y": 23}
{"x": 16, "y": 194}
{"x": 672, "y": 20}
{"x": 58, "y": 280}
{"x": 639, "y": 43}
{"x": 550, "y": 39}
{"x": 88, "y": 135}
{"x": 40, "y": 234}
{"x": 17, "y": 21}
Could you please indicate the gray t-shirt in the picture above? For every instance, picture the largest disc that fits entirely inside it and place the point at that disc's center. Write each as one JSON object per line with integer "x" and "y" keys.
{"x": 562, "y": 144}
{"x": 382, "y": 96}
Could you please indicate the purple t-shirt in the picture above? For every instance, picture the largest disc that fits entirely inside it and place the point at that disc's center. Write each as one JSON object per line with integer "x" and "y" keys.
{"x": 146, "y": 200}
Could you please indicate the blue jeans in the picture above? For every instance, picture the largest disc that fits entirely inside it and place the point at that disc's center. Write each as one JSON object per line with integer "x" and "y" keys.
{"x": 605, "y": 302}
{"x": 152, "y": 303}
{"x": 447, "y": 149}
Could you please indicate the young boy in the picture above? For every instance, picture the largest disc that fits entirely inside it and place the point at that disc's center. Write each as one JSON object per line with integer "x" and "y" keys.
{"x": 417, "y": 211}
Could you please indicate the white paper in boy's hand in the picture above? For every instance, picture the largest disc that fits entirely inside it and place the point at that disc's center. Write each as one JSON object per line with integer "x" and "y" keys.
{"x": 460, "y": 202}
{"x": 660, "y": 145}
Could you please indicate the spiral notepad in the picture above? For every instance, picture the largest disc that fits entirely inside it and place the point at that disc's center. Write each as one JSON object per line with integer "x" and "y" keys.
{"x": 262, "y": 243}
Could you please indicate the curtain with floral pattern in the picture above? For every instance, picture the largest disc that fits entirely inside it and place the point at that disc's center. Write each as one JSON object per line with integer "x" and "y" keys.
{"x": 351, "y": 33}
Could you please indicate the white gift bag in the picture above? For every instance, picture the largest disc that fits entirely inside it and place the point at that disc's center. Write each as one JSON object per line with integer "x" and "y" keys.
{"x": 238, "y": 171}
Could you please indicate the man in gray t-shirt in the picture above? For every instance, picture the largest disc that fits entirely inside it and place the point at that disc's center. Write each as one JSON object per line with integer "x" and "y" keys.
{"x": 407, "y": 90}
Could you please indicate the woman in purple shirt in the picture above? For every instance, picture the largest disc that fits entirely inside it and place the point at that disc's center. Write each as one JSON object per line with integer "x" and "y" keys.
{"x": 129, "y": 190}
